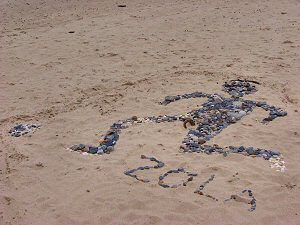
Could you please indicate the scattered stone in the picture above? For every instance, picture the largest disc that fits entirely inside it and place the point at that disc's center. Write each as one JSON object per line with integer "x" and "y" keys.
{"x": 290, "y": 186}
{"x": 23, "y": 129}
{"x": 39, "y": 164}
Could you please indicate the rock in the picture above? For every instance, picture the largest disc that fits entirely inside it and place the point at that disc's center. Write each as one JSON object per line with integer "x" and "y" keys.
{"x": 201, "y": 141}
{"x": 93, "y": 150}
{"x": 265, "y": 155}
{"x": 236, "y": 115}
{"x": 169, "y": 99}
{"x": 250, "y": 151}
{"x": 274, "y": 152}
{"x": 190, "y": 178}
{"x": 217, "y": 98}
{"x": 160, "y": 164}
{"x": 110, "y": 149}
{"x": 78, "y": 147}
{"x": 237, "y": 104}
{"x": 241, "y": 149}
{"x": 100, "y": 152}
{"x": 39, "y": 164}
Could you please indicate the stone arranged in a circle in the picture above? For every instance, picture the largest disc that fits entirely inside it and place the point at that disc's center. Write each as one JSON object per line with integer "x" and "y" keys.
{"x": 130, "y": 173}
{"x": 23, "y": 129}
{"x": 179, "y": 170}
{"x": 251, "y": 201}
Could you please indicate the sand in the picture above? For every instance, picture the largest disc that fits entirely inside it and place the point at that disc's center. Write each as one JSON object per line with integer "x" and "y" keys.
{"x": 78, "y": 66}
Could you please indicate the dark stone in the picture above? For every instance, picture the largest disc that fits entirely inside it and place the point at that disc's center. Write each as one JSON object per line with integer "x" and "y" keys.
{"x": 250, "y": 151}
{"x": 274, "y": 152}
{"x": 93, "y": 150}
{"x": 201, "y": 141}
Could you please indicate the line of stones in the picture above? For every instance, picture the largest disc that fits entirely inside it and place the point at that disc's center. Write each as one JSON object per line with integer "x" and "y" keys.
{"x": 252, "y": 202}
{"x": 199, "y": 190}
{"x": 179, "y": 170}
{"x": 159, "y": 164}
{"x": 190, "y": 175}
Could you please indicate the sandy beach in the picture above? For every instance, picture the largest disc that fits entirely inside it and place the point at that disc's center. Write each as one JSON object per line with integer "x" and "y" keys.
{"x": 76, "y": 67}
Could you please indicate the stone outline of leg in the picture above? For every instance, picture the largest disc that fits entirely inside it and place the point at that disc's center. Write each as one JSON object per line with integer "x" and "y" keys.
{"x": 197, "y": 146}
{"x": 257, "y": 152}
{"x": 274, "y": 111}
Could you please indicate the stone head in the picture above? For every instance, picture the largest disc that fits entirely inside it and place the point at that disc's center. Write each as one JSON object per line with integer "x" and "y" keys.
{"x": 239, "y": 88}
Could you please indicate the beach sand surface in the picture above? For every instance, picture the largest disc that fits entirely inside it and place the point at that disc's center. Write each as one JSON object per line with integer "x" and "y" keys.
{"x": 77, "y": 66}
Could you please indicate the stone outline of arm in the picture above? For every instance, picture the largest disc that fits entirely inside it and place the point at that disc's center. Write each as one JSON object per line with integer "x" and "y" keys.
{"x": 274, "y": 112}
{"x": 197, "y": 94}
